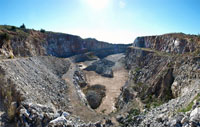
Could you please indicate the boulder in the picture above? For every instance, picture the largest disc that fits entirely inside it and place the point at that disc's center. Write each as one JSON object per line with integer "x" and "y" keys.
{"x": 102, "y": 67}
{"x": 94, "y": 99}
{"x": 94, "y": 95}
{"x": 195, "y": 115}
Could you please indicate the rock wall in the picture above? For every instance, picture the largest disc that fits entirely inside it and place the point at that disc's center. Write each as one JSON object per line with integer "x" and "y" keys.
{"x": 162, "y": 84}
{"x": 24, "y": 42}
{"x": 171, "y": 43}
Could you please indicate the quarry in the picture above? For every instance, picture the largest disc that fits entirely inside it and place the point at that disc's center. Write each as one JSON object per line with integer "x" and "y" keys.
{"x": 51, "y": 79}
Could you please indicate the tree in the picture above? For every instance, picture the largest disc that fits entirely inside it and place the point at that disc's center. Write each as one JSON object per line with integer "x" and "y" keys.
{"x": 23, "y": 26}
{"x": 42, "y": 31}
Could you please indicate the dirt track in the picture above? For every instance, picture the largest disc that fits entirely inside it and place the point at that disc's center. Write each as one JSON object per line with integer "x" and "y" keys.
{"x": 77, "y": 108}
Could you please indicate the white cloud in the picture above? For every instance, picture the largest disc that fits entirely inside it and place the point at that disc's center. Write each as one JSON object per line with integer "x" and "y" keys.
{"x": 122, "y": 4}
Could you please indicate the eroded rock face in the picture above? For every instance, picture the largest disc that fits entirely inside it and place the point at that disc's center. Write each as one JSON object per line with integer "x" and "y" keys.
{"x": 39, "y": 74}
{"x": 35, "y": 81}
{"x": 161, "y": 88}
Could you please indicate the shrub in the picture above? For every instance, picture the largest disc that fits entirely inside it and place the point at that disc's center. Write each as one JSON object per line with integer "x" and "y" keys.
{"x": 11, "y": 56}
{"x": 131, "y": 113}
{"x": 13, "y": 28}
{"x": 191, "y": 40}
{"x": 134, "y": 112}
{"x": 103, "y": 111}
{"x": 23, "y": 26}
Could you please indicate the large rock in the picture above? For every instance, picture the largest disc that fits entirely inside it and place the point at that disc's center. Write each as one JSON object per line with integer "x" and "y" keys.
{"x": 94, "y": 99}
{"x": 195, "y": 116}
{"x": 102, "y": 67}
{"x": 94, "y": 95}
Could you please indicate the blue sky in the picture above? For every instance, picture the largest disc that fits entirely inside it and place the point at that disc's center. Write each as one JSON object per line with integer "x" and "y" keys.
{"x": 115, "y": 21}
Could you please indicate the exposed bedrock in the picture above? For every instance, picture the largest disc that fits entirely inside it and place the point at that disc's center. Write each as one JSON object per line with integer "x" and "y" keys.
{"x": 156, "y": 68}
{"x": 171, "y": 43}
{"x": 163, "y": 82}
{"x": 34, "y": 43}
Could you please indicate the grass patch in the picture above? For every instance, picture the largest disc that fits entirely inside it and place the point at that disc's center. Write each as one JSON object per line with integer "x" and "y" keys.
{"x": 20, "y": 32}
{"x": 152, "y": 102}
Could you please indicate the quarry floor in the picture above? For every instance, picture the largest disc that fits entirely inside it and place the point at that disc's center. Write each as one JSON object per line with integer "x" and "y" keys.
{"x": 77, "y": 108}
{"x": 113, "y": 85}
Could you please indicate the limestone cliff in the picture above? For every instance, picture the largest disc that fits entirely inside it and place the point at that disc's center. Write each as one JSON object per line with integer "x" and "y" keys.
{"x": 163, "y": 74}
{"x": 26, "y": 42}
{"x": 170, "y": 43}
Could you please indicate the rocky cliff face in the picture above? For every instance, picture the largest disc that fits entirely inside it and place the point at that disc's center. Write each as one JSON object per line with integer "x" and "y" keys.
{"x": 24, "y": 42}
{"x": 171, "y": 43}
{"x": 162, "y": 68}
